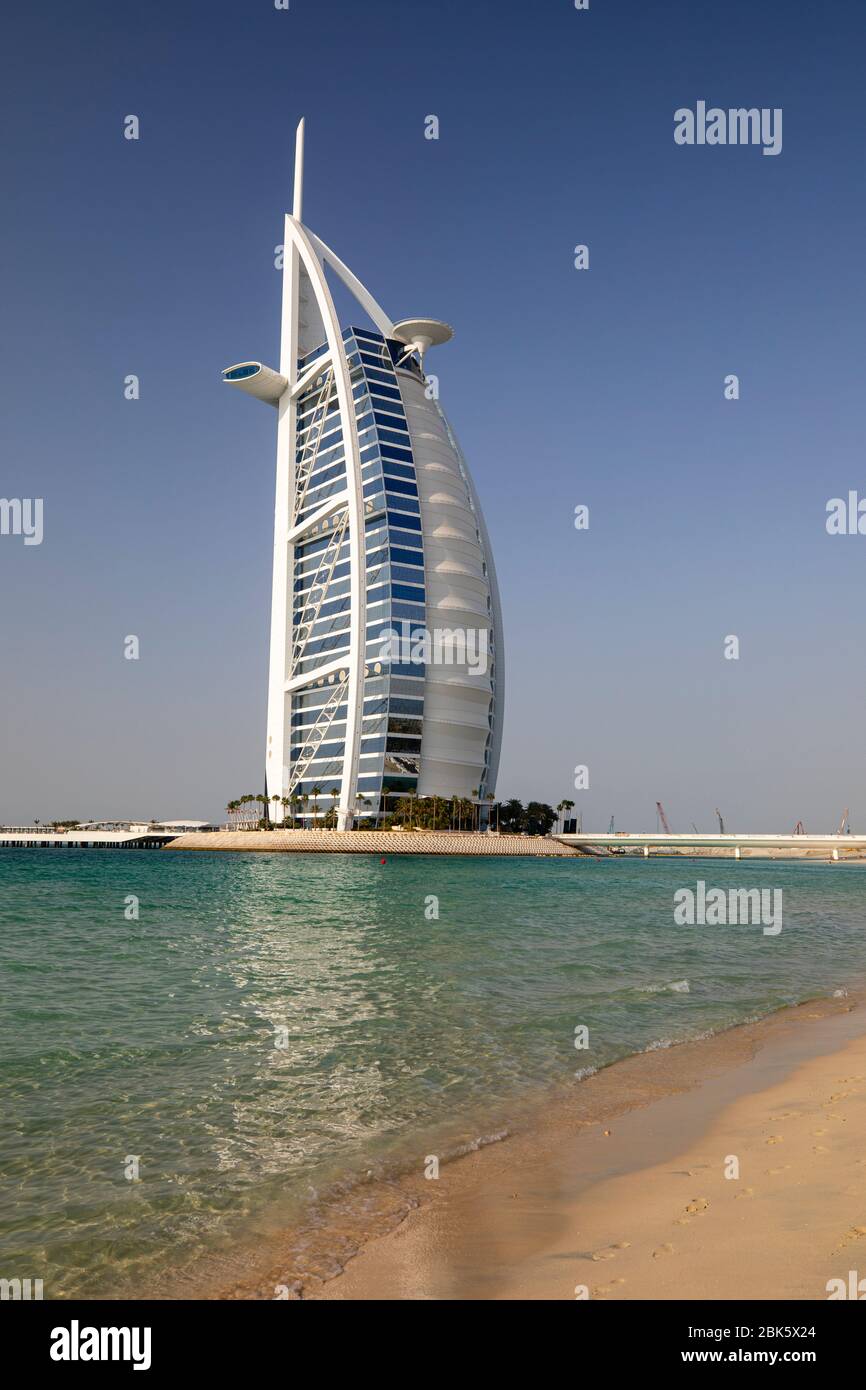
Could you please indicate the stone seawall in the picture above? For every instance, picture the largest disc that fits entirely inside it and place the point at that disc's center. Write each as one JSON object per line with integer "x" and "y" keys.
{"x": 374, "y": 842}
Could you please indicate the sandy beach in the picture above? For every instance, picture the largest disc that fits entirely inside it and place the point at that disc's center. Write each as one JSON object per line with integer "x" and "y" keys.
{"x": 740, "y": 1172}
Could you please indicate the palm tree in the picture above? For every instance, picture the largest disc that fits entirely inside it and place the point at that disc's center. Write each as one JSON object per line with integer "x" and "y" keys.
{"x": 383, "y": 803}
{"x": 284, "y": 802}
{"x": 295, "y": 802}
{"x": 315, "y": 793}
{"x": 514, "y": 815}
{"x": 474, "y": 813}
{"x": 333, "y": 794}
{"x": 489, "y": 798}
{"x": 568, "y": 805}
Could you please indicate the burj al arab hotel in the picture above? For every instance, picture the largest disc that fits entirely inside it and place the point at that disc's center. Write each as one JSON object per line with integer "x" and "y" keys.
{"x": 377, "y": 529}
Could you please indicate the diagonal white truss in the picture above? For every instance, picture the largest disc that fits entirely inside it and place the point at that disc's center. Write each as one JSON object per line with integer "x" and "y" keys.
{"x": 315, "y": 594}
{"x": 316, "y": 735}
{"x": 309, "y": 451}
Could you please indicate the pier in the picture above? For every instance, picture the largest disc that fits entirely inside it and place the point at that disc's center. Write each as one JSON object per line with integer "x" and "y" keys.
{"x": 99, "y": 835}
{"x": 836, "y": 847}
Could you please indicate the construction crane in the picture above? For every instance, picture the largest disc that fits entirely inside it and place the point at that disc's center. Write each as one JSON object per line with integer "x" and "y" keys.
{"x": 721, "y": 822}
{"x": 610, "y": 827}
{"x": 799, "y": 828}
{"x": 843, "y": 822}
{"x": 664, "y": 820}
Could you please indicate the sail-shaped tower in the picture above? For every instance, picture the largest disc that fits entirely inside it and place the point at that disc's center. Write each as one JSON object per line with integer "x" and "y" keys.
{"x": 377, "y": 531}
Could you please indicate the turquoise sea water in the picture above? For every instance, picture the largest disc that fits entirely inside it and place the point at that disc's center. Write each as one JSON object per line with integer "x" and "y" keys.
{"x": 273, "y": 1023}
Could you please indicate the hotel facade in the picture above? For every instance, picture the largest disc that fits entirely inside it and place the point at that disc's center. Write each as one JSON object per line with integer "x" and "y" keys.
{"x": 378, "y": 535}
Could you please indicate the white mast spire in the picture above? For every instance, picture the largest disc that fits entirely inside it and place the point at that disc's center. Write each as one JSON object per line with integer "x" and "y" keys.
{"x": 297, "y": 209}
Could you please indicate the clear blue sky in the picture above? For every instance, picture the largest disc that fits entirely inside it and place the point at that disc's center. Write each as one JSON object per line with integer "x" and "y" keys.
{"x": 602, "y": 387}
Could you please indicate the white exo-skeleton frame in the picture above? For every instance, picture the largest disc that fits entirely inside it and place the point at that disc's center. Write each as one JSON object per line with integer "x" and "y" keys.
{"x": 308, "y": 320}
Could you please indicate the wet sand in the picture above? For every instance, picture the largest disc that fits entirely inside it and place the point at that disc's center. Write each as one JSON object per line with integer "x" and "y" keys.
{"x": 641, "y": 1206}
{"x": 615, "y": 1188}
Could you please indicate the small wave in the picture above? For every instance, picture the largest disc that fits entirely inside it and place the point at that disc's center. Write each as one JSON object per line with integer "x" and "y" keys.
{"x": 471, "y": 1146}
{"x": 674, "y": 987}
{"x": 583, "y": 1072}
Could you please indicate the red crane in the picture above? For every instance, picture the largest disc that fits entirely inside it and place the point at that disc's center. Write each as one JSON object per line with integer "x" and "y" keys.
{"x": 664, "y": 820}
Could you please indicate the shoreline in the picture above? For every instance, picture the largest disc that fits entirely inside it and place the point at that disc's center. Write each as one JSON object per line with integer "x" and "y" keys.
{"x": 647, "y": 1205}
{"x": 384, "y": 842}
{"x": 594, "y": 1191}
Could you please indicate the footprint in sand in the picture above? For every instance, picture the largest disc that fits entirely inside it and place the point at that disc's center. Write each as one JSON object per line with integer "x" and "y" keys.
{"x": 665, "y": 1249}
{"x": 746, "y": 1192}
{"x": 855, "y": 1233}
{"x": 610, "y": 1251}
{"x": 775, "y": 1139}
{"x": 773, "y": 1171}
{"x": 820, "y": 1149}
{"x": 818, "y": 1132}
{"x": 697, "y": 1205}
{"x": 602, "y": 1289}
